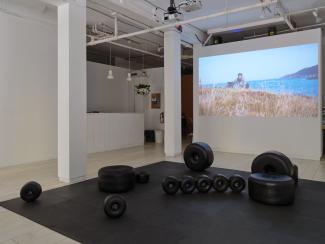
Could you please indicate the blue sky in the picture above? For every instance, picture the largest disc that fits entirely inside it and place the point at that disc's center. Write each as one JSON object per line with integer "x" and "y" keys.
{"x": 257, "y": 65}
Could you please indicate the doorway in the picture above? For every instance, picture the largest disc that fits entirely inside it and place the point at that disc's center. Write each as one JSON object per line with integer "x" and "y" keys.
{"x": 187, "y": 108}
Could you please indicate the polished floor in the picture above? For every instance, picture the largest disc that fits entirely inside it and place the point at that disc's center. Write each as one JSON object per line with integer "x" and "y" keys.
{"x": 16, "y": 229}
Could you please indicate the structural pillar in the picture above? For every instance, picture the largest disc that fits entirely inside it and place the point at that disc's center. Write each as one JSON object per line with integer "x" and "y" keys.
{"x": 72, "y": 97}
{"x": 172, "y": 77}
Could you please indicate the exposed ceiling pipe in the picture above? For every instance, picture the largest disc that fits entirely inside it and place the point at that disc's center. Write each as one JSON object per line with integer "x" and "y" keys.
{"x": 115, "y": 26}
{"x": 285, "y": 18}
{"x": 184, "y": 22}
{"x": 138, "y": 25}
{"x": 287, "y": 31}
{"x": 133, "y": 48}
{"x": 102, "y": 34}
{"x": 284, "y": 13}
{"x": 184, "y": 43}
{"x": 311, "y": 26}
{"x": 97, "y": 34}
{"x": 140, "y": 50}
{"x": 305, "y": 11}
{"x": 247, "y": 25}
{"x": 207, "y": 40}
{"x": 123, "y": 22}
{"x": 146, "y": 52}
{"x": 110, "y": 32}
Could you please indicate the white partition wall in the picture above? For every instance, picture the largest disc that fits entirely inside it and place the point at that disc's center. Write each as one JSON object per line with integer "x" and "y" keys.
{"x": 295, "y": 136}
{"x": 112, "y": 131}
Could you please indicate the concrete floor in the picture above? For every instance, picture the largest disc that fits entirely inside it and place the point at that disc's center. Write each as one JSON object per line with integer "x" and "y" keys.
{"x": 16, "y": 229}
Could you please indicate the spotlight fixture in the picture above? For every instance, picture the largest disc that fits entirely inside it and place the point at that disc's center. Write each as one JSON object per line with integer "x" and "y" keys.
{"x": 110, "y": 75}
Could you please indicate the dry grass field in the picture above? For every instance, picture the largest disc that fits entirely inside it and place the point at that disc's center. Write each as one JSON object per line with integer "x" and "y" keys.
{"x": 244, "y": 102}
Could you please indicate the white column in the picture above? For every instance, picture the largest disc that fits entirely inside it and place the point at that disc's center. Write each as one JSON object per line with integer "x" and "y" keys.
{"x": 72, "y": 99}
{"x": 172, "y": 76}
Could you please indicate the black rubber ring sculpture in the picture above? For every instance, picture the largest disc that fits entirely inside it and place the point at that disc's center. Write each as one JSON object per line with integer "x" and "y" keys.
{"x": 273, "y": 179}
{"x": 198, "y": 156}
{"x": 116, "y": 179}
{"x": 203, "y": 184}
{"x": 142, "y": 177}
{"x": 114, "y": 206}
{"x": 31, "y": 191}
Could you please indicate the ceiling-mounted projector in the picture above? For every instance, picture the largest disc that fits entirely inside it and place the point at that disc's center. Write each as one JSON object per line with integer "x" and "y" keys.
{"x": 172, "y": 13}
{"x": 173, "y": 17}
{"x": 190, "y": 5}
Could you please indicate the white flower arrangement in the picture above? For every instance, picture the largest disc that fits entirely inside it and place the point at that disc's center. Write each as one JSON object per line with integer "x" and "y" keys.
{"x": 142, "y": 89}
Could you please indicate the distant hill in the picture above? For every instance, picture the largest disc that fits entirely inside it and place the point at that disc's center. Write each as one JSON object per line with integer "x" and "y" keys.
{"x": 310, "y": 73}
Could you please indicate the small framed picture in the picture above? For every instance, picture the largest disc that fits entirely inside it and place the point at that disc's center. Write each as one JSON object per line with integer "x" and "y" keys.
{"x": 155, "y": 100}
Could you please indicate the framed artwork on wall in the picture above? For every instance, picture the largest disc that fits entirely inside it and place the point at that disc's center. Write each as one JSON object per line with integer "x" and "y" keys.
{"x": 155, "y": 100}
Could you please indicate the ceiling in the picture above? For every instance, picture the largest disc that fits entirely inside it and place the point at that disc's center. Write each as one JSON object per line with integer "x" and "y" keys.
{"x": 139, "y": 15}
{"x": 213, "y": 6}
{"x": 135, "y": 15}
{"x": 31, "y": 9}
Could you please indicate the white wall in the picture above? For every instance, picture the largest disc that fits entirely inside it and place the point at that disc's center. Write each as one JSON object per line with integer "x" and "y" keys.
{"x": 117, "y": 95}
{"x": 28, "y": 90}
{"x": 109, "y": 96}
{"x": 152, "y": 116}
{"x": 296, "y": 137}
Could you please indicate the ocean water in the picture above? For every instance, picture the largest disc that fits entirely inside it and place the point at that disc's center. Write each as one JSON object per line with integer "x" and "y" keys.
{"x": 302, "y": 87}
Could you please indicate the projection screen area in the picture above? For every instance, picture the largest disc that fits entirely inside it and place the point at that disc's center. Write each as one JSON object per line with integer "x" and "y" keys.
{"x": 278, "y": 82}
{"x": 249, "y": 94}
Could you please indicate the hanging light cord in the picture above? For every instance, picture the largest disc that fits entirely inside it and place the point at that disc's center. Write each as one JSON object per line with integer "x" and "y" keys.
{"x": 110, "y": 54}
{"x": 130, "y": 60}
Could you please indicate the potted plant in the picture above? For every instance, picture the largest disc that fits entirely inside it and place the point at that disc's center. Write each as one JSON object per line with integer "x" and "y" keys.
{"x": 142, "y": 89}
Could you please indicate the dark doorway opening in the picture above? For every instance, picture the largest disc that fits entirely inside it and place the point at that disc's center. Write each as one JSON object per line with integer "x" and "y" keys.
{"x": 187, "y": 107}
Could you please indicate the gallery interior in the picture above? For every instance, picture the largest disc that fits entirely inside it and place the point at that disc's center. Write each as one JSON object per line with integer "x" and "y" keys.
{"x": 162, "y": 121}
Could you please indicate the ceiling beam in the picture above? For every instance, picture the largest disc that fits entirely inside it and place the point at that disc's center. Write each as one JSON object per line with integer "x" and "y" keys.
{"x": 53, "y": 2}
{"x": 134, "y": 49}
{"x": 126, "y": 20}
{"x": 247, "y": 25}
{"x": 289, "y": 23}
{"x": 284, "y": 12}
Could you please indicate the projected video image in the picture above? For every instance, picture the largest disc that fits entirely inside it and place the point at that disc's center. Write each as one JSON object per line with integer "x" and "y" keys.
{"x": 281, "y": 82}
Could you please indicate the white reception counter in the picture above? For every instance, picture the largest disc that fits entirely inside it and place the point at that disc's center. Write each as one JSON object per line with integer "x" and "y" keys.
{"x": 111, "y": 131}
